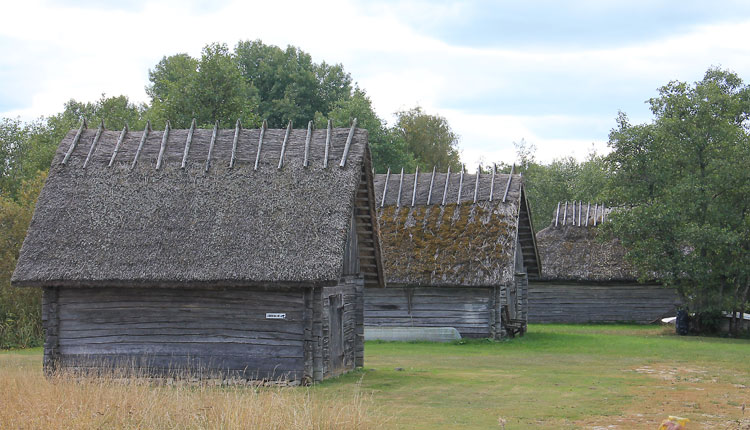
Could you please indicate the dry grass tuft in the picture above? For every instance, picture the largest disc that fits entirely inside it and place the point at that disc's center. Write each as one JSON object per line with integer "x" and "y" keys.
{"x": 28, "y": 400}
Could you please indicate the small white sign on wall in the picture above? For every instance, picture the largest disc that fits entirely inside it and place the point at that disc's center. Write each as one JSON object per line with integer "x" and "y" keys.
{"x": 275, "y": 316}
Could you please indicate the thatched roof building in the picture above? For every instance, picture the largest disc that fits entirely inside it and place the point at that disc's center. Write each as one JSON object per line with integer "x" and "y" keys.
{"x": 444, "y": 234}
{"x": 587, "y": 279}
{"x": 255, "y": 213}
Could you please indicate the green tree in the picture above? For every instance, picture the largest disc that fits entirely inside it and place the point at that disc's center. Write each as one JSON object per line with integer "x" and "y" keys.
{"x": 685, "y": 179}
{"x": 430, "y": 138}
{"x": 290, "y": 85}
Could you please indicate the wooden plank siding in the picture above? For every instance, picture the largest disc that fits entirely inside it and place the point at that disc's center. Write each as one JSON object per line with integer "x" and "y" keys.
{"x": 468, "y": 309}
{"x": 581, "y": 303}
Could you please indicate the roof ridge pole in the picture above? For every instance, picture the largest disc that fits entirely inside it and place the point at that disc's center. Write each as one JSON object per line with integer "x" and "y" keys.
{"x": 400, "y": 184}
{"x": 588, "y": 208}
{"x": 140, "y": 145}
{"x": 596, "y": 212}
{"x": 188, "y": 141}
{"x": 348, "y": 143}
{"x": 93, "y": 144}
{"x": 432, "y": 181}
{"x": 117, "y": 145}
{"x": 476, "y": 184}
{"x": 580, "y": 209}
{"x": 211, "y": 145}
{"x": 565, "y": 214}
{"x": 574, "y": 212}
{"x": 492, "y": 182}
{"x": 604, "y": 213}
{"x": 510, "y": 178}
{"x": 283, "y": 144}
{"x": 75, "y": 141}
{"x": 260, "y": 143}
{"x": 414, "y": 193}
{"x": 445, "y": 190}
{"x": 557, "y": 214}
{"x": 460, "y": 184}
{"x": 328, "y": 146}
{"x": 385, "y": 187}
{"x": 307, "y": 143}
{"x": 163, "y": 147}
{"x": 237, "y": 128}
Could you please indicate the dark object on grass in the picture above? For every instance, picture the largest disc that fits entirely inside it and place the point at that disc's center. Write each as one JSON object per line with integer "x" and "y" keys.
{"x": 682, "y": 324}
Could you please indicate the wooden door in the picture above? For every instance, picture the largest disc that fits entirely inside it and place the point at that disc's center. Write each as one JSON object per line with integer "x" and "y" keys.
{"x": 336, "y": 332}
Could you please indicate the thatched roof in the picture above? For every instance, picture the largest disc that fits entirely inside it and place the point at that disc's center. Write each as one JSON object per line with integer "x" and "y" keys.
{"x": 467, "y": 241}
{"x": 570, "y": 249}
{"x": 123, "y": 218}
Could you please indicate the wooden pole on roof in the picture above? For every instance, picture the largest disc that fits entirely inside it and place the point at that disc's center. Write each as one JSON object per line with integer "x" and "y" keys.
{"x": 307, "y": 144}
{"x": 140, "y": 145}
{"x": 596, "y": 212}
{"x": 580, "y": 209}
{"x": 492, "y": 182}
{"x": 260, "y": 143}
{"x": 432, "y": 181}
{"x": 348, "y": 143}
{"x": 163, "y": 146}
{"x": 117, "y": 145}
{"x": 400, "y": 184}
{"x": 211, "y": 144}
{"x": 604, "y": 213}
{"x": 237, "y": 129}
{"x": 557, "y": 214}
{"x": 414, "y": 192}
{"x": 385, "y": 186}
{"x": 588, "y": 208}
{"x": 328, "y": 145}
{"x": 510, "y": 178}
{"x": 574, "y": 212}
{"x": 460, "y": 184}
{"x": 75, "y": 141}
{"x": 188, "y": 141}
{"x": 94, "y": 143}
{"x": 476, "y": 184}
{"x": 283, "y": 143}
{"x": 565, "y": 214}
{"x": 445, "y": 191}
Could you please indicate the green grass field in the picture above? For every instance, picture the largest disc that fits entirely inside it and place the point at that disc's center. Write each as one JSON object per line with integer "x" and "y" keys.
{"x": 555, "y": 377}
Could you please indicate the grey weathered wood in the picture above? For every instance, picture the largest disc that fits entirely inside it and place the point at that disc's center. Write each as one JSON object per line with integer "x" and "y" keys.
{"x": 260, "y": 143}
{"x": 237, "y": 129}
{"x": 476, "y": 183}
{"x": 579, "y": 212}
{"x": 75, "y": 141}
{"x": 588, "y": 208}
{"x": 283, "y": 144}
{"x": 211, "y": 144}
{"x": 492, "y": 182}
{"x": 144, "y": 136}
{"x": 163, "y": 147}
{"x": 460, "y": 184}
{"x": 385, "y": 186}
{"x": 123, "y": 133}
{"x": 557, "y": 214}
{"x": 507, "y": 186}
{"x": 596, "y": 212}
{"x": 328, "y": 144}
{"x": 400, "y": 185}
{"x": 94, "y": 143}
{"x": 188, "y": 141}
{"x": 445, "y": 190}
{"x": 414, "y": 191}
{"x": 307, "y": 144}
{"x": 551, "y": 302}
{"x": 348, "y": 143}
{"x": 565, "y": 214}
{"x": 604, "y": 213}
{"x": 432, "y": 181}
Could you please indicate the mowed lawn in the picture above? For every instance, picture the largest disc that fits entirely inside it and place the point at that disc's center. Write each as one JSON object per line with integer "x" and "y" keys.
{"x": 556, "y": 377}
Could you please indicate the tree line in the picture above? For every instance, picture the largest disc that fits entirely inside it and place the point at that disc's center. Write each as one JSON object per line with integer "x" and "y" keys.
{"x": 681, "y": 177}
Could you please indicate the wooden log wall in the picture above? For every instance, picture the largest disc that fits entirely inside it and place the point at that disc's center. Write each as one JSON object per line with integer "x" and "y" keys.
{"x": 581, "y": 303}
{"x": 468, "y": 309}
{"x": 198, "y": 330}
{"x": 51, "y": 326}
{"x": 327, "y": 366}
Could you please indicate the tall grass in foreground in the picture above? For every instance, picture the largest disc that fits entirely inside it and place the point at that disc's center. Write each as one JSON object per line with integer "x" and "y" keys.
{"x": 28, "y": 400}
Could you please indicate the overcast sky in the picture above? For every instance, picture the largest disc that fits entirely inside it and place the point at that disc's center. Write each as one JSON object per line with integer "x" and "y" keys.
{"x": 553, "y": 73}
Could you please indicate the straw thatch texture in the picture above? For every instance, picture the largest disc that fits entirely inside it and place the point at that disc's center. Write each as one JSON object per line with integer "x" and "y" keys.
{"x": 572, "y": 252}
{"x": 456, "y": 244}
{"x": 117, "y": 226}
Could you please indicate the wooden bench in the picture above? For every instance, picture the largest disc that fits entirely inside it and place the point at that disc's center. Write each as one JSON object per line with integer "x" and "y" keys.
{"x": 513, "y": 326}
